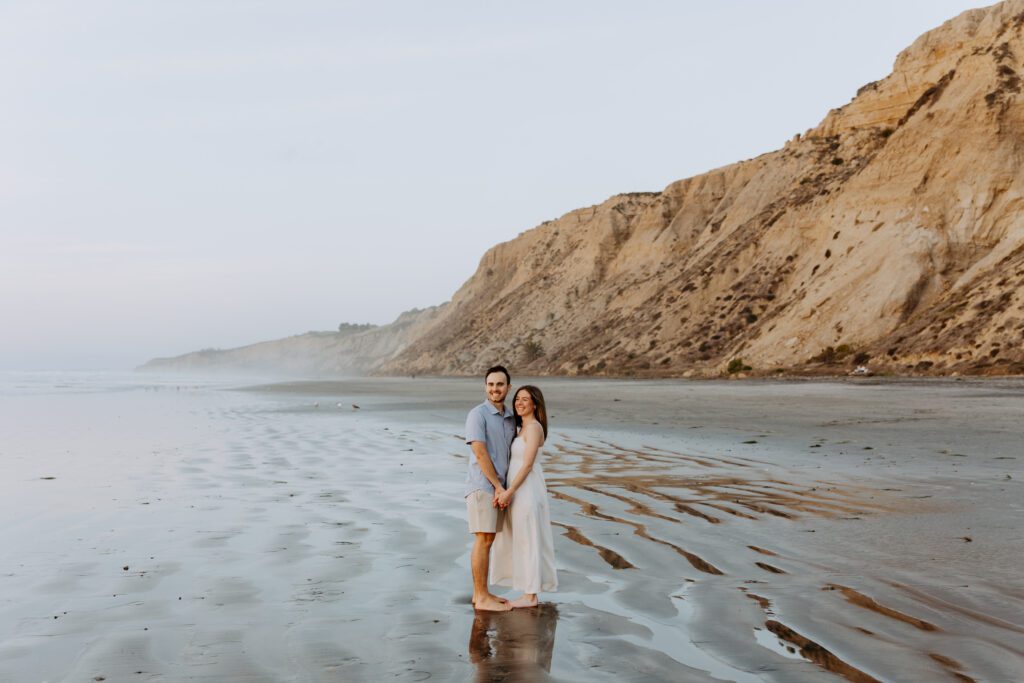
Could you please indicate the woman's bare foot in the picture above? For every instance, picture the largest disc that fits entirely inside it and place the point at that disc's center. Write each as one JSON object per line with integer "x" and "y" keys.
{"x": 491, "y": 603}
{"x": 524, "y": 600}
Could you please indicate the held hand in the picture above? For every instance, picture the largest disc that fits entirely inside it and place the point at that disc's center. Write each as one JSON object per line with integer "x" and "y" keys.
{"x": 497, "y": 493}
{"x": 504, "y": 498}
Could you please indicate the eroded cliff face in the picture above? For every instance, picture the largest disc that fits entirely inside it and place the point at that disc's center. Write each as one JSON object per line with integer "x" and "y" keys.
{"x": 894, "y": 229}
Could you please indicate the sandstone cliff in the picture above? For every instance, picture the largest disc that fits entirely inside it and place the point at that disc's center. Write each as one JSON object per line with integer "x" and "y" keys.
{"x": 895, "y": 230}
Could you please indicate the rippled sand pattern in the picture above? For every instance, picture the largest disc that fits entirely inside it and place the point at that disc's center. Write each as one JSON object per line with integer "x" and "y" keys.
{"x": 197, "y": 535}
{"x": 584, "y": 474}
{"x": 664, "y": 497}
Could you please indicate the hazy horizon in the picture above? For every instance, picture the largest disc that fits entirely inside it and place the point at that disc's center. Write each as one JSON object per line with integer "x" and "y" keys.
{"x": 195, "y": 175}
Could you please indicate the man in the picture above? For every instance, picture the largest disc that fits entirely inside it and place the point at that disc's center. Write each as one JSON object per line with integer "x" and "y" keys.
{"x": 490, "y": 428}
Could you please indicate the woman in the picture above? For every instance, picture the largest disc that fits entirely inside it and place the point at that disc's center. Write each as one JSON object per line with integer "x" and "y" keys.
{"x": 523, "y": 555}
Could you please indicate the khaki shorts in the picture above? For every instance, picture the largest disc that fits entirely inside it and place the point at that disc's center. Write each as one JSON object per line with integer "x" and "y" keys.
{"x": 483, "y": 516}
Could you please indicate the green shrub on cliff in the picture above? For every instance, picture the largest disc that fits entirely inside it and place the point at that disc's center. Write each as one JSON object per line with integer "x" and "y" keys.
{"x": 532, "y": 350}
{"x": 736, "y": 365}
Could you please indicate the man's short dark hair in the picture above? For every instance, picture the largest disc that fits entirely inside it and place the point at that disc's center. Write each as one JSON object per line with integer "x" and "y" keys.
{"x": 499, "y": 368}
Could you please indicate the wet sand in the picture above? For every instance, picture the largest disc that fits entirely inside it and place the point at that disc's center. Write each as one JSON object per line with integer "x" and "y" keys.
{"x": 705, "y": 531}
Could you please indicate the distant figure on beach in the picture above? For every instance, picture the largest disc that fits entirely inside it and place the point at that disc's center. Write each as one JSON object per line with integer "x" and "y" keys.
{"x": 524, "y": 553}
{"x": 490, "y": 428}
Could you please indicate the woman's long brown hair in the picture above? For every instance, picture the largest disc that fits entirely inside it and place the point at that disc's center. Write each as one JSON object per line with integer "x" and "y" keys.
{"x": 540, "y": 410}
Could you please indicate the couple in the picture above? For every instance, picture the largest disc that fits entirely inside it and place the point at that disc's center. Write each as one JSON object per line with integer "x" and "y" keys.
{"x": 506, "y": 498}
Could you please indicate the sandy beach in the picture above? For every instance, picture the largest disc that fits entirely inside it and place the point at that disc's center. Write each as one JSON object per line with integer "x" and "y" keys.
{"x": 174, "y": 530}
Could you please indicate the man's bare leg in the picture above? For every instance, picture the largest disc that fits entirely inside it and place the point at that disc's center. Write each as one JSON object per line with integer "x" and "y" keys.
{"x": 480, "y": 561}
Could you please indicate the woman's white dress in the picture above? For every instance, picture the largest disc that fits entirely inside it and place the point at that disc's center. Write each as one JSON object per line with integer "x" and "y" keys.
{"x": 523, "y": 553}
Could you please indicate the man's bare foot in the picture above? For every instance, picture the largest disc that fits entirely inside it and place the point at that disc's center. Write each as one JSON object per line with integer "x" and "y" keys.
{"x": 490, "y": 595}
{"x": 491, "y": 604}
{"x": 524, "y": 601}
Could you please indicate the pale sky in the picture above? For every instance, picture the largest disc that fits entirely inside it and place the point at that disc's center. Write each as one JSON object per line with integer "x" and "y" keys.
{"x": 184, "y": 174}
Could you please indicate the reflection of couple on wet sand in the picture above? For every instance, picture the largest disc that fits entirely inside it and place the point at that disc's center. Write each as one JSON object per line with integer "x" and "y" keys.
{"x": 506, "y": 497}
{"x": 516, "y": 645}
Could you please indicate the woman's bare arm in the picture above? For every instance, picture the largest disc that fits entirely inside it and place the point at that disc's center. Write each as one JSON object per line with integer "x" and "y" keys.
{"x": 533, "y": 435}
